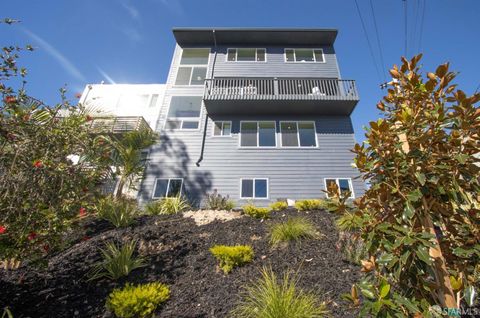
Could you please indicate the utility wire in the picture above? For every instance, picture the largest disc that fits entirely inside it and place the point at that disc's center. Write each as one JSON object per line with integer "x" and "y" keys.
{"x": 421, "y": 26}
{"x": 368, "y": 41}
{"x": 405, "y": 8}
{"x": 378, "y": 42}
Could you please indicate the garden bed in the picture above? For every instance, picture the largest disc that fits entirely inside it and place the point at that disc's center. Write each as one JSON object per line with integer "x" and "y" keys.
{"x": 177, "y": 251}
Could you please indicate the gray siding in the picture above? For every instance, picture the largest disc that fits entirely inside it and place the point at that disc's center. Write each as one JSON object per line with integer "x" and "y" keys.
{"x": 292, "y": 173}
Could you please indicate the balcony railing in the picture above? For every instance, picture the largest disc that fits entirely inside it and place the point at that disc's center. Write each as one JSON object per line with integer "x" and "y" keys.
{"x": 118, "y": 125}
{"x": 248, "y": 88}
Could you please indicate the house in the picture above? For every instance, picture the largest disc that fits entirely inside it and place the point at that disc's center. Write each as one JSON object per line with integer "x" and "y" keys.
{"x": 259, "y": 114}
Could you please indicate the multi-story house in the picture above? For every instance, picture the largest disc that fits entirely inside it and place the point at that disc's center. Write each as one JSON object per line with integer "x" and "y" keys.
{"x": 258, "y": 114}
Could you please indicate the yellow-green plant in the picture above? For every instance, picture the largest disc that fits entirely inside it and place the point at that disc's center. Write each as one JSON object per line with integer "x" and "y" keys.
{"x": 279, "y": 206}
{"x": 120, "y": 212}
{"x": 117, "y": 261}
{"x": 291, "y": 230}
{"x": 419, "y": 218}
{"x": 137, "y": 301}
{"x": 272, "y": 297}
{"x": 256, "y": 212}
{"x": 308, "y": 205}
{"x": 170, "y": 205}
{"x": 232, "y": 256}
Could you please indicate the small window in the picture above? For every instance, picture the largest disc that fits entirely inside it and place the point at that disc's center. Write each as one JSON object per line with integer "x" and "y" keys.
{"x": 153, "y": 101}
{"x": 195, "y": 56}
{"x": 344, "y": 185}
{"x": 298, "y": 134}
{"x": 246, "y": 55}
{"x": 304, "y": 55}
{"x": 222, "y": 128}
{"x": 254, "y": 189}
{"x": 167, "y": 187}
{"x": 184, "y": 112}
{"x": 257, "y": 134}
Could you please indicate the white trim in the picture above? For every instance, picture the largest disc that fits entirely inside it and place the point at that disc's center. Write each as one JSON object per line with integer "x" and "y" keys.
{"x": 350, "y": 184}
{"x": 298, "y": 134}
{"x": 192, "y": 66}
{"x": 223, "y": 122}
{"x": 258, "y": 134}
{"x": 168, "y": 186}
{"x": 253, "y": 190}
{"x": 300, "y": 48}
{"x": 236, "y": 55}
{"x": 182, "y": 119}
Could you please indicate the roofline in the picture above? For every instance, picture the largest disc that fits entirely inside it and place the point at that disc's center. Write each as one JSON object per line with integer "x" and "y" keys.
{"x": 254, "y": 29}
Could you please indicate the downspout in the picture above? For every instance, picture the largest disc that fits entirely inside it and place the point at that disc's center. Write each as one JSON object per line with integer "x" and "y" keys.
{"x": 212, "y": 76}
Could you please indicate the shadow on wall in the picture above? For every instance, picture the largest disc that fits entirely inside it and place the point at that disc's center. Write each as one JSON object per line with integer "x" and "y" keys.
{"x": 172, "y": 160}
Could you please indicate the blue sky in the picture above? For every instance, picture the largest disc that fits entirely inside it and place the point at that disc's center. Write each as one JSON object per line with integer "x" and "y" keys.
{"x": 128, "y": 41}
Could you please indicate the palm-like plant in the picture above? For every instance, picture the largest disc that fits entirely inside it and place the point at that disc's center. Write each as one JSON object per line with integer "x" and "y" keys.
{"x": 127, "y": 156}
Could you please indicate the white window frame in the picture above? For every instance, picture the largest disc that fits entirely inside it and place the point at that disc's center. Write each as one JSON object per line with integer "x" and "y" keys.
{"x": 168, "y": 187}
{"x": 236, "y": 55}
{"x": 223, "y": 122}
{"x": 182, "y": 119}
{"x": 258, "y": 134}
{"x": 298, "y": 134}
{"x": 307, "y": 48}
{"x": 192, "y": 67}
{"x": 350, "y": 184}
{"x": 253, "y": 191}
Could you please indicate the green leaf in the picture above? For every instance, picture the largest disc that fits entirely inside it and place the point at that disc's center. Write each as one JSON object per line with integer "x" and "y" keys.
{"x": 415, "y": 195}
{"x": 422, "y": 254}
{"x": 421, "y": 178}
{"x": 408, "y": 211}
{"x": 461, "y": 157}
{"x": 385, "y": 258}
{"x": 384, "y": 289}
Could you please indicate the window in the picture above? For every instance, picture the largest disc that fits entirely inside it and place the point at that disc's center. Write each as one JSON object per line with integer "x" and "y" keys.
{"x": 344, "y": 185}
{"x": 153, "y": 100}
{"x": 222, "y": 128}
{"x": 167, "y": 187}
{"x": 304, "y": 55}
{"x": 254, "y": 188}
{"x": 298, "y": 134}
{"x": 193, "y": 67}
{"x": 246, "y": 55}
{"x": 184, "y": 112}
{"x": 257, "y": 134}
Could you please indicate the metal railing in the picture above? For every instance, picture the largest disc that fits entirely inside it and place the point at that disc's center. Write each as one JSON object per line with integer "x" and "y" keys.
{"x": 118, "y": 125}
{"x": 263, "y": 88}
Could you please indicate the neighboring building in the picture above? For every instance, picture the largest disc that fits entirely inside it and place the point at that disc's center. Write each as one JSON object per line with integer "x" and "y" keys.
{"x": 258, "y": 114}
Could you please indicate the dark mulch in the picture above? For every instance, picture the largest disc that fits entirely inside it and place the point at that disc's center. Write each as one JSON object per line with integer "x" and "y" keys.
{"x": 178, "y": 255}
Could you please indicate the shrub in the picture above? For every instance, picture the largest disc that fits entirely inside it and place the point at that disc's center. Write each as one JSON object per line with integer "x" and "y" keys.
{"x": 256, "y": 212}
{"x": 232, "y": 256}
{"x": 120, "y": 212}
{"x": 171, "y": 205}
{"x": 291, "y": 230}
{"x": 271, "y": 297}
{"x": 117, "y": 261}
{"x": 308, "y": 205}
{"x": 137, "y": 301}
{"x": 352, "y": 247}
{"x": 215, "y": 201}
{"x": 279, "y": 206}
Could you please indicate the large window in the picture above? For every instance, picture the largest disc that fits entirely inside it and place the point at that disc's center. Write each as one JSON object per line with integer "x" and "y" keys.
{"x": 167, "y": 187}
{"x": 304, "y": 55}
{"x": 344, "y": 185}
{"x": 184, "y": 112}
{"x": 246, "y": 55}
{"x": 257, "y": 134}
{"x": 222, "y": 128}
{"x": 298, "y": 134}
{"x": 193, "y": 67}
{"x": 254, "y": 188}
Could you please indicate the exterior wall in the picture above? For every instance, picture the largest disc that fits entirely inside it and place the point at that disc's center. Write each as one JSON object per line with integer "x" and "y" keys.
{"x": 103, "y": 99}
{"x": 292, "y": 173}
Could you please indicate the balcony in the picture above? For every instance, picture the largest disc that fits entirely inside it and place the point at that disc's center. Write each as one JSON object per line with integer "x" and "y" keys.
{"x": 118, "y": 125}
{"x": 250, "y": 95}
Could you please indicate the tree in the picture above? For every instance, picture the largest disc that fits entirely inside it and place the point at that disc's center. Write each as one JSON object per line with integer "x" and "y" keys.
{"x": 42, "y": 191}
{"x": 127, "y": 156}
{"x": 420, "y": 218}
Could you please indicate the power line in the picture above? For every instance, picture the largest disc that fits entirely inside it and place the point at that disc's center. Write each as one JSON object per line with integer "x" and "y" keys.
{"x": 405, "y": 8}
{"x": 368, "y": 41}
{"x": 421, "y": 25}
{"x": 378, "y": 41}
